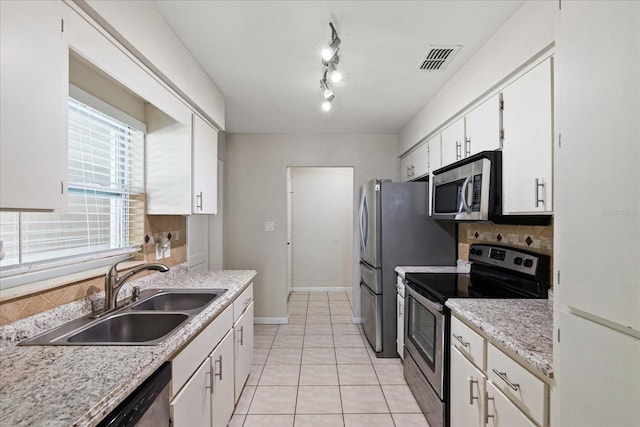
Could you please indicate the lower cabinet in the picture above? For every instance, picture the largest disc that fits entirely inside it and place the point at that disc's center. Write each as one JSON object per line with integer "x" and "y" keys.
{"x": 501, "y": 412}
{"x": 400, "y": 319}
{"x": 467, "y": 392}
{"x": 243, "y": 330}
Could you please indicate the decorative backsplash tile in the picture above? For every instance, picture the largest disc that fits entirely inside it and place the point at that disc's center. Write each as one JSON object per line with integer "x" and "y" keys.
{"x": 28, "y": 305}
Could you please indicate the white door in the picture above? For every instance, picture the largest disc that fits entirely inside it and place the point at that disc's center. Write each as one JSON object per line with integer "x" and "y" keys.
{"x": 467, "y": 392}
{"x": 222, "y": 366}
{"x": 243, "y": 330}
{"x": 452, "y": 142}
{"x": 289, "y": 238}
{"x": 483, "y": 127}
{"x": 192, "y": 405}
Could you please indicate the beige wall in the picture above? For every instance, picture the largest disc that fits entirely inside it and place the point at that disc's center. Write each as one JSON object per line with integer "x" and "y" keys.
{"x": 322, "y": 227}
{"x": 255, "y": 192}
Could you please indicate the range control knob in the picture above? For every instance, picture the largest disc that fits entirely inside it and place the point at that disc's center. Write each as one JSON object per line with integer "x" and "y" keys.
{"x": 528, "y": 263}
{"x": 472, "y": 251}
{"x": 478, "y": 252}
{"x": 517, "y": 260}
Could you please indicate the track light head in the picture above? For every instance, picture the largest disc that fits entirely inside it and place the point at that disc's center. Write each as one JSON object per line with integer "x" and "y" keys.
{"x": 330, "y": 51}
{"x": 326, "y": 105}
{"x": 334, "y": 74}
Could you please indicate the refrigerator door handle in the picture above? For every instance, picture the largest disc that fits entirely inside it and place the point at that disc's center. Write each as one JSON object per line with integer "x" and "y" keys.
{"x": 362, "y": 243}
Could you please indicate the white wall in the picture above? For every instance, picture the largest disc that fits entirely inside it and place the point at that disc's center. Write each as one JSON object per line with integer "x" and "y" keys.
{"x": 322, "y": 227}
{"x": 529, "y": 31}
{"x": 255, "y": 192}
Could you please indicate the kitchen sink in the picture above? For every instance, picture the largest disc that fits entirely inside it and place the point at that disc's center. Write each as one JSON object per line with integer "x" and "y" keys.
{"x": 150, "y": 320}
{"x": 177, "y": 301}
{"x": 129, "y": 327}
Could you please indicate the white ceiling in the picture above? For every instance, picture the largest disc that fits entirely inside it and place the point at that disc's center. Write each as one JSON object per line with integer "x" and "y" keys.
{"x": 264, "y": 57}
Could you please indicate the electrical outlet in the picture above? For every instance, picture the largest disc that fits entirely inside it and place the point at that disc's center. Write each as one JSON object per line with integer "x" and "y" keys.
{"x": 269, "y": 226}
{"x": 163, "y": 249}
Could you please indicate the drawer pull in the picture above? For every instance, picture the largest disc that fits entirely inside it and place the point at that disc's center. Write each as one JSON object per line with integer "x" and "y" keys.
{"x": 218, "y": 374}
{"x": 471, "y": 383}
{"x": 503, "y": 377}
{"x": 486, "y": 407}
{"x": 241, "y": 340}
{"x": 459, "y": 338}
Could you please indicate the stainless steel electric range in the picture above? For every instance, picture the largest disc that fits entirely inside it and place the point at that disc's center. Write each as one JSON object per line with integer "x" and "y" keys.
{"x": 496, "y": 272}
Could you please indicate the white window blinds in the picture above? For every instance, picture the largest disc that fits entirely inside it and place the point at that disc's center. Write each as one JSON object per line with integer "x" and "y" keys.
{"x": 106, "y": 199}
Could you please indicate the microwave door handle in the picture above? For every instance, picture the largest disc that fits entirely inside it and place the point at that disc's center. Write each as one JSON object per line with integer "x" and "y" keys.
{"x": 465, "y": 188}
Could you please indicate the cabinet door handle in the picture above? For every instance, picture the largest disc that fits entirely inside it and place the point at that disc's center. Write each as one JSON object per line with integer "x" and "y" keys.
{"x": 458, "y": 150}
{"x": 408, "y": 171}
{"x": 486, "y": 407}
{"x": 471, "y": 383}
{"x": 539, "y": 184}
{"x": 503, "y": 377}
{"x": 210, "y": 386}
{"x": 467, "y": 147}
{"x": 459, "y": 338}
{"x": 199, "y": 204}
{"x": 241, "y": 340}
{"x": 413, "y": 168}
{"x": 219, "y": 361}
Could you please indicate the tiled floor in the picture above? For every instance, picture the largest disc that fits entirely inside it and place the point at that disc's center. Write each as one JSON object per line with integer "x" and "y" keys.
{"x": 319, "y": 371}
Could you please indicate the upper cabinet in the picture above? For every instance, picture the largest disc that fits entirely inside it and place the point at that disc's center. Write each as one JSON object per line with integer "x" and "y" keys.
{"x": 205, "y": 168}
{"x": 482, "y": 127}
{"x": 415, "y": 164}
{"x": 33, "y": 92}
{"x": 528, "y": 142}
{"x": 453, "y": 143}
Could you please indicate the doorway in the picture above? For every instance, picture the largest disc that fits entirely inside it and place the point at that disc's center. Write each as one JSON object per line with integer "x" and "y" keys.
{"x": 320, "y": 202}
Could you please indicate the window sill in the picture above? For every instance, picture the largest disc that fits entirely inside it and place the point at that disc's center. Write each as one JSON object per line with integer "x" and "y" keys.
{"x": 59, "y": 282}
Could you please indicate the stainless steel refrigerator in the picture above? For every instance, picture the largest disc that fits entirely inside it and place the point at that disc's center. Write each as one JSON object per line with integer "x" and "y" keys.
{"x": 395, "y": 229}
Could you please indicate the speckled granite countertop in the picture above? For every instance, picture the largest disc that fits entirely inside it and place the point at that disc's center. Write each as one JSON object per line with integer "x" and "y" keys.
{"x": 523, "y": 326}
{"x": 79, "y": 385}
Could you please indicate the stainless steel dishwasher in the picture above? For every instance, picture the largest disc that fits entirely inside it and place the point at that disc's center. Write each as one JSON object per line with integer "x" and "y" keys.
{"x": 148, "y": 405}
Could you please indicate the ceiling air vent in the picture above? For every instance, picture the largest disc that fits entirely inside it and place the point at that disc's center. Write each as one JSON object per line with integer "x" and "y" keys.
{"x": 438, "y": 57}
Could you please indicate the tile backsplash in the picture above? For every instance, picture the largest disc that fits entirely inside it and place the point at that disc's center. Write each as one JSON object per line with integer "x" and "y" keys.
{"x": 156, "y": 227}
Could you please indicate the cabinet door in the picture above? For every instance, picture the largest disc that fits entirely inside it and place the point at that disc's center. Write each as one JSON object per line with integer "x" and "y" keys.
{"x": 527, "y": 147}
{"x": 452, "y": 142}
{"x": 483, "y": 127}
{"x": 435, "y": 153}
{"x": 205, "y": 168}
{"x": 420, "y": 164}
{"x": 501, "y": 412}
{"x": 400, "y": 326}
{"x": 34, "y": 90}
{"x": 243, "y": 330}
{"x": 467, "y": 392}
{"x": 223, "y": 382}
{"x": 405, "y": 167}
{"x": 192, "y": 405}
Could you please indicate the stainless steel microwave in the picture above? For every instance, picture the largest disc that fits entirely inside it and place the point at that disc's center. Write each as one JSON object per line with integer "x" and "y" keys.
{"x": 469, "y": 189}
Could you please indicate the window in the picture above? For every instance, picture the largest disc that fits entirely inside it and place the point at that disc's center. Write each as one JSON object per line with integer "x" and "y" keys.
{"x": 105, "y": 217}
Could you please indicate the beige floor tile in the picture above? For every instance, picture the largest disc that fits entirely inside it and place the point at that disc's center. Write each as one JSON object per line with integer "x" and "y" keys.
{"x": 335, "y": 305}
{"x": 279, "y": 375}
{"x": 291, "y": 330}
{"x": 341, "y": 318}
{"x": 400, "y": 399}
{"x": 318, "y": 341}
{"x": 363, "y": 399}
{"x": 265, "y": 329}
{"x": 297, "y": 308}
{"x": 245, "y": 400}
{"x": 297, "y": 319}
{"x": 348, "y": 341}
{"x": 288, "y": 341}
{"x": 274, "y": 400}
{"x": 329, "y": 420}
{"x": 352, "y": 356}
{"x": 237, "y": 421}
{"x": 318, "y": 310}
{"x": 254, "y": 374}
{"x": 260, "y": 355}
{"x": 318, "y": 375}
{"x": 318, "y": 329}
{"x": 345, "y": 329}
{"x": 318, "y": 296}
{"x": 318, "y": 400}
{"x": 413, "y": 420}
{"x": 370, "y": 420}
{"x": 318, "y": 318}
{"x": 318, "y": 356}
{"x": 341, "y": 311}
{"x": 263, "y": 341}
{"x": 284, "y": 356}
{"x": 390, "y": 373}
{"x": 338, "y": 296}
{"x": 269, "y": 421}
{"x": 357, "y": 375}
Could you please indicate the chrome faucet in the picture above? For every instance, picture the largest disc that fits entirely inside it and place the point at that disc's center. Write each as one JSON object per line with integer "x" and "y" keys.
{"x": 113, "y": 283}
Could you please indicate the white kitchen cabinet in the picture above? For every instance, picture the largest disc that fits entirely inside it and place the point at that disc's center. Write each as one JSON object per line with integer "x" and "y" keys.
{"x": 415, "y": 164}
{"x": 34, "y": 87}
{"x": 435, "y": 153}
{"x": 181, "y": 165}
{"x": 405, "y": 167}
{"x": 204, "y": 167}
{"x": 453, "y": 142}
{"x": 222, "y": 382}
{"x": 527, "y": 178}
{"x": 501, "y": 412}
{"x": 466, "y": 393}
{"x": 482, "y": 127}
{"x": 400, "y": 318}
{"x": 243, "y": 331}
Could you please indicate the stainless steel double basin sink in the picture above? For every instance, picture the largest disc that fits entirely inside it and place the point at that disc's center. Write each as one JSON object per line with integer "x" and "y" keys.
{"x": 148, "y": 321}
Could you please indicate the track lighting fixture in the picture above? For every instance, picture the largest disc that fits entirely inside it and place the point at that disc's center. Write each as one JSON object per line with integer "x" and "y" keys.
{"x": 330, "y": 61}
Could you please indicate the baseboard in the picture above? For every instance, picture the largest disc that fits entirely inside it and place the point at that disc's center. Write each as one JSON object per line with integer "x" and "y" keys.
{"x": 271, "y": 320}
{"x": 357, "y": 320}
{"x": 323, "y": 289}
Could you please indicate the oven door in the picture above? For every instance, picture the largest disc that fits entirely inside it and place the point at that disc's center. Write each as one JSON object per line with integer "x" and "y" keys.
{"x": 424, "y": 336}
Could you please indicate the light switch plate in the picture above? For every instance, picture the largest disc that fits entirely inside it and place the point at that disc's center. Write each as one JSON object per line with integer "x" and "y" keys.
{"x": 269, "y": 226}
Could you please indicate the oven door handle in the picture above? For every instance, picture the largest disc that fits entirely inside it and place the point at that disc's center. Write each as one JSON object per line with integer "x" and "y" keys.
{"x": 430, "y": 305}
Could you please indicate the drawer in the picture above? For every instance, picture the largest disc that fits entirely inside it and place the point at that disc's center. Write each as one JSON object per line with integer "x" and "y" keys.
{"x": 185, "y": 363}
{"x": 242, "y": 302}
{"x": 528, "y": 392}
{"x": 468, "y": 341}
